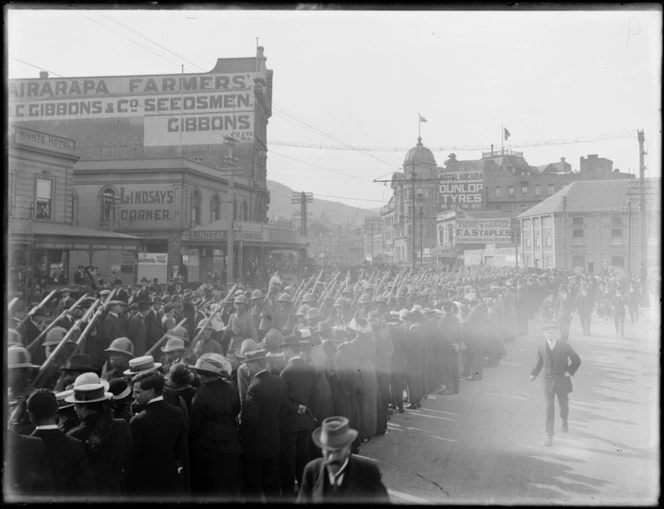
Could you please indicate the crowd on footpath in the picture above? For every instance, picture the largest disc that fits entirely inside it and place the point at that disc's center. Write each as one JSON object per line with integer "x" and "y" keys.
{"x": 160, "y": 392}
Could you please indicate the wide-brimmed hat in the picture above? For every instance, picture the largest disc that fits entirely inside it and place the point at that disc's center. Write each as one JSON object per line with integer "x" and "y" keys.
{"x": 141, "y": 364}
{"x": 89, "y": 393}
{"x": 254, "y": 355}
{"x": 173, "y": 344}
{"x": 78, "y": 362}
{"x": 120, "y": 389}
{"x": 334, "y": 433}
{"x": 117, "y": 303}
{"x": 273, "y": 340}
{"x": 292, "y": 341}
{"x": 54, "y": 336}
{"x": 121, "y": 345}
{"x": 90, "y": 377}
{"x": 19, "y": 357}
{"x": 213, "y": 364}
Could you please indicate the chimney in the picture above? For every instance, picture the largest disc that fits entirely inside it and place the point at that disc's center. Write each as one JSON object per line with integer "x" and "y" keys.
{"x": 492, "y": 150}
{"x": 562, "y": 159}
{"x": 43, "y": 75}
{"x": 259, "y": 52}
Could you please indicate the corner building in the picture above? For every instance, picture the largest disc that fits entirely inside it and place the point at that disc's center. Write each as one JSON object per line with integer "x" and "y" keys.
{"x": 154, "y": 162}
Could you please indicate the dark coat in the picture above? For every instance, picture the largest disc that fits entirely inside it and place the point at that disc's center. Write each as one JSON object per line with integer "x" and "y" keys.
{"x": 259, "y": 419}
{"x": 69, "y": 463}
{"x": 28, "y": 471}
{"x": 111, "y": 459}
{"x": 213, "y": 428}
{"x": 362, "y": 483}
{"x": 154, "y": 332}
{"x": 556, "y": 363}
{"x": 398, "y": 359}
{"x": 584, "y": 304}
{"x": 111, "y": 328}
{"x": 349, "y": 383}
{"x": 300, "y": 379}
{"x": 137, "y": 332}
{"x": 159, "y": 442}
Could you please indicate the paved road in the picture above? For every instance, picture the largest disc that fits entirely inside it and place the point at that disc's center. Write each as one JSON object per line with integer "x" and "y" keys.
{"x": 486, "y": 444}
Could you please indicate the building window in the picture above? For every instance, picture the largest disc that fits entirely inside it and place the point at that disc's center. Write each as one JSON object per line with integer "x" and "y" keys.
{"x": 549, "y": 189}
{"x": 547, "y": 221}
{"x": 578, "y": 261}
{"x": 547, "y": 262}
{"x": 196, "y": 208}
{"x": 108, "y": 201}
{"x": 538, "y": 190}
{"x": 577, "y": 237}
{"x": 528, "y": 242}
{"x": 510, "y": 191}
{"x": 616, "y": 237}
{"x": 44, "y": 199}
{"x": 74, "y": 207}
{"x": 616, "y": 222}
{"x": 548, "y": 242}
{"x": 617, "y": 261}
{"x": 524, "y": 189}
{"x": 244, "y": 210}
{"x": 498, "y": 191}
{"x": 215, "y": 208}
{"x": 577, "y": 222}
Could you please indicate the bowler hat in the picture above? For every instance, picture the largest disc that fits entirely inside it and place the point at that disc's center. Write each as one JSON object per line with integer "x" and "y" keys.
{"x": 335, "y": 433}
{"x": 19, "y": 357}
{"x": 273, "y": 340}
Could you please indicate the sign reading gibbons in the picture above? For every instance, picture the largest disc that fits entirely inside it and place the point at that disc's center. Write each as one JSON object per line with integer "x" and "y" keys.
{"x": 200, "y": 108}
{"x": 463, "y": 189}
{"x": 475, "y": 231}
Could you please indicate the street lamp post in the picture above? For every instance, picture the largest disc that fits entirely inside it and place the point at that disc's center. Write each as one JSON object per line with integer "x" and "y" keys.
{"x": 626, "y": 211}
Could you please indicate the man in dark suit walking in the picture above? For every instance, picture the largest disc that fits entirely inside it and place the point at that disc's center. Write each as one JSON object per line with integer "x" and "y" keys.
{"x": 71, "y": 469}
{"x": 259, "y": 429}
{"x": 160, "y": 439}
{"x": 115, "y": 324}
{"x": 137, "y": 329}
{"x": 297, "y": 421}
{"x": 555, "y": 356}
{"x": 340, "y": 476}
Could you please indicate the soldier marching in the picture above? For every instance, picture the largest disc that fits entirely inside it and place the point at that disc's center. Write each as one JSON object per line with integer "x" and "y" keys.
{"x": 215, "y": 393}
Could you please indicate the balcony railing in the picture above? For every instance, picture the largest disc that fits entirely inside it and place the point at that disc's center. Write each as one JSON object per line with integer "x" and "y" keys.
{"x": 501, "y": 152}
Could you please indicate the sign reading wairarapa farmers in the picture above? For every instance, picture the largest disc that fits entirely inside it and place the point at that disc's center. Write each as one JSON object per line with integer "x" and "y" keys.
{"x": 474, "y": 230}
{"x": 461, "y": 189}
{"x": 201, "y": 108}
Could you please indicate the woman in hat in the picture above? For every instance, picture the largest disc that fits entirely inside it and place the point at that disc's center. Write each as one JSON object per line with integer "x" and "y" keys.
{"x": 108, "y": 442}
{"x": 182, "y": 379}
{"x": 122, "y": 399}
{"x": 213, "y": 436}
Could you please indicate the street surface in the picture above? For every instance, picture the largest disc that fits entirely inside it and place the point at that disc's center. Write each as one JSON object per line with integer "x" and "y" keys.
{"x": 486, "y": 444}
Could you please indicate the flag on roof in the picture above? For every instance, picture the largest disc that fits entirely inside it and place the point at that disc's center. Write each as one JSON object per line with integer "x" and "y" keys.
{"x": 422, "y": 119}
{"x": 507, "y": 134}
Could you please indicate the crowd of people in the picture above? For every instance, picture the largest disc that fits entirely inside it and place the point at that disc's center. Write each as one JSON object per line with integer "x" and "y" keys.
{"x": 160, "y": 392}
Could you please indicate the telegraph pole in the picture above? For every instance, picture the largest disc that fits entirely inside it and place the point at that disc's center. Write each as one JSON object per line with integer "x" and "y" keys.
{"x": 302, "y": 199}
{"x": 564, "y": 233}
{"x": 231, "y": 167}
{"x": 370, "y": 222}
{"x": 412, "y": 215}
{"x": 642, "y": 219}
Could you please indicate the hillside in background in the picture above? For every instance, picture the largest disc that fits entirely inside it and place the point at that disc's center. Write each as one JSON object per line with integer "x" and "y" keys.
{"x": 321, "y": 210}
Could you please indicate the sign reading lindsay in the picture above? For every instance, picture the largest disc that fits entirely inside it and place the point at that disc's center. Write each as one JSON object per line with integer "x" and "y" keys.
{"x": 144, "y": 206}
{"x": 461, "y": 189}
{"x": 200, "y": 108}
{"x": 476, "y": 231}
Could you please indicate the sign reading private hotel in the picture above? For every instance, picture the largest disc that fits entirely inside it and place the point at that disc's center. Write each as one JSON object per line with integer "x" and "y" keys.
{"x": 474, "y": 230}
{"x": 199, "y": 108}
{"x": 461, "y": 189}
{"x": 145, "y": 205}
{"x": 35, "y": 138}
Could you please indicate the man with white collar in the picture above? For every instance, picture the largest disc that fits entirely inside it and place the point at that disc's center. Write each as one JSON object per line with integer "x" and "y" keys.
{"x": 160, "y": 439}
{"x": 553, "y": 356}
{"x": 339, "y": 475}
{"x": 71, "y": 470}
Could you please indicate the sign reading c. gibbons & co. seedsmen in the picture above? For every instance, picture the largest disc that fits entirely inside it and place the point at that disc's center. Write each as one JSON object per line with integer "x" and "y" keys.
{"x": 201, "y": 108}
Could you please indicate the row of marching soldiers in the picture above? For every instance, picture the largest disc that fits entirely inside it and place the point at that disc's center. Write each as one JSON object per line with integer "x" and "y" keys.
{"x": 226, "y": 409}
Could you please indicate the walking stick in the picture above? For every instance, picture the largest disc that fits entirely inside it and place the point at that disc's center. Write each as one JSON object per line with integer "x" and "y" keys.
{"x": 163, "y": 338}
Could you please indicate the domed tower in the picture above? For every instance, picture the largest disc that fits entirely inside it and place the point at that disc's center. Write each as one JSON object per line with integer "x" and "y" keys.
{"x": 418, "y": 195}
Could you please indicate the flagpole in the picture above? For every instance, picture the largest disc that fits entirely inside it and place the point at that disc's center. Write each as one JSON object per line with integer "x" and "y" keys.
{"x": 502, "y": 139}
{"x": 419, "y": 125}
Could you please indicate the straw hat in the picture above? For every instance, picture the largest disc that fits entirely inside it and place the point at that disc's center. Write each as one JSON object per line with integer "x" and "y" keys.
{"x": 89, "y": 393}
{"x": 141, "y": 364}
{"x": 88, "y": 378}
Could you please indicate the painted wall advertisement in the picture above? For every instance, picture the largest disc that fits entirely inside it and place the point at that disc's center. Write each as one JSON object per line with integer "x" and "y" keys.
{"x": 143, "y": 205}
{"x": 474, "y": 230}
{"x": 194, "y": 109}
{"x": 461, "y": 189}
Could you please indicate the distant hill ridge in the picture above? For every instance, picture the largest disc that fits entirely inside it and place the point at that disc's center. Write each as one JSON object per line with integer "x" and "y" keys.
{"x": 336, "y": 212}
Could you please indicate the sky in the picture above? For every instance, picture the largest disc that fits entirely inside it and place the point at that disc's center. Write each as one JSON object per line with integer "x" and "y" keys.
{"x": 349, "y": 85}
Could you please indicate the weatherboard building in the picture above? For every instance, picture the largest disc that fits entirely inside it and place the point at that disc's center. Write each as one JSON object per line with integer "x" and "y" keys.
{"x": 155, "y": 160}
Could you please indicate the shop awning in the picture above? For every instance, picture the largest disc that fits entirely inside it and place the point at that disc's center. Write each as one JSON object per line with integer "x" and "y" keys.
{"x": 65, "y": 236}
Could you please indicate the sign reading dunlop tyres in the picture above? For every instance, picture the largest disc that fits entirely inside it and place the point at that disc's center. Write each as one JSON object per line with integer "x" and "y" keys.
{"x": 198, "y": 108}
{"x": 474, "y": 231}
{"x": 463, "y": 189}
